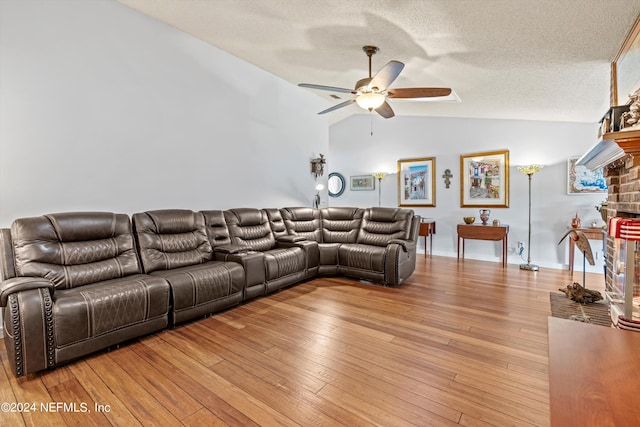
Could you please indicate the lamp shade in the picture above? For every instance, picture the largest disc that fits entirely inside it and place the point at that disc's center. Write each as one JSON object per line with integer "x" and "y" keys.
{"x": 530, "y": 169}
{"x": 370, "y": 100}
{"x": 379, "y": 175}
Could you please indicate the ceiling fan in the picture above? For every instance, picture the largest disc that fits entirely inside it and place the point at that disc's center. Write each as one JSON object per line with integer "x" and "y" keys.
{"x": 372, "y": 92}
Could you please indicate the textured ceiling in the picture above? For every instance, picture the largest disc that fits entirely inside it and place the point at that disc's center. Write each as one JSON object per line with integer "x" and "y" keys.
{"x": 511, "y": 59}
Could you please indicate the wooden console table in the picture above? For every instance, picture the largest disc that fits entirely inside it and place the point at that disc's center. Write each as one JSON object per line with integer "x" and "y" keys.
{"x": 427, "y": 229}
{"x": 591, "y": 234}
{"x": 484, "y": 232}
{"x": 593, "y": 375}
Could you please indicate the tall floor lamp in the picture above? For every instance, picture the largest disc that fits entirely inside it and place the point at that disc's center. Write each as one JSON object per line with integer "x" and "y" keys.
{"x": 380, "y": 176}
{"x": 529, "y": 171}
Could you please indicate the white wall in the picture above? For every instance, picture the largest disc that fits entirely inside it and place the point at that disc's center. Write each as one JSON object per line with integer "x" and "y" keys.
{"x": 354, "y": 151}
{"x": 102, "y": 108}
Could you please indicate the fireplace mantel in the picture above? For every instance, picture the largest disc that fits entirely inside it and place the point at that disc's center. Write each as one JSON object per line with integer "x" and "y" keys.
{"x": 628, "y": 140}
{"x": 611, "y": 147}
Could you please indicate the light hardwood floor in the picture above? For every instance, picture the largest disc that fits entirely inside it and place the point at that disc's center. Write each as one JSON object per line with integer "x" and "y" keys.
{"x": 461, "y": 343}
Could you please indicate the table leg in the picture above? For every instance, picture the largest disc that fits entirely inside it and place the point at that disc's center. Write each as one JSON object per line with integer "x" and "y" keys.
{"x": 460, "y": 245}
{"x": 504, "y": 251}
{"x": 572, "y": 247}
{"x": 430, "y": 243}
{"x": 425, "y": 245}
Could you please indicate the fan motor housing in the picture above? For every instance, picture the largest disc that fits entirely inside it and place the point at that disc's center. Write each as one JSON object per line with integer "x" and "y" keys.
{"x": 363, "y": 83}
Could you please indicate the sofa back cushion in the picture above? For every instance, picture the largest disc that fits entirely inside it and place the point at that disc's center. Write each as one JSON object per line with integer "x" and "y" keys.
{"x": 171, "y": 238}
{"x": 303, "y": 222}
{"x": 276, "y": 223}
{"x": 340, "y": 225}
{"x": 216, "y": 227}
{"x": 250, "y": 227}
{"x": 74, "y": 248}
{"x": 379, "y": 225}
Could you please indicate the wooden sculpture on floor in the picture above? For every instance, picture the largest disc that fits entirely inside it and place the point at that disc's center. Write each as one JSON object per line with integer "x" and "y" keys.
{"x": 581, "y": 242}
{"x": 580, "y": 294}
{"x": 575, "y": 291}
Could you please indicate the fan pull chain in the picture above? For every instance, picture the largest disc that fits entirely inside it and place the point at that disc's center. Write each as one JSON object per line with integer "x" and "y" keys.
{"x": 371, "y": 117}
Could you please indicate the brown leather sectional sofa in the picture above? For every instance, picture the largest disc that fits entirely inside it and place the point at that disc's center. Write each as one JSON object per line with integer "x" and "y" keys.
{"x": 75, "y": 283}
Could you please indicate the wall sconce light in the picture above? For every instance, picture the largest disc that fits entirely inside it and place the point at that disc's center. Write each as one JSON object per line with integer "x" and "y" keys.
{"x": 317, "y": 165}
{"x": 316, "y": 200}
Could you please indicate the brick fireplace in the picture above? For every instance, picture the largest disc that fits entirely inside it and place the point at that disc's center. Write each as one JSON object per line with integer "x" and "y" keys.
{"x": 623, "y": 179}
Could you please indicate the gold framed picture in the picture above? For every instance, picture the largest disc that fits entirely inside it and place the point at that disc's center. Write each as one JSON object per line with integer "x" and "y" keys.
{"x": 416, "y": 182}
{"x": 625, "y": 68}
{"x": 484, "y": 179}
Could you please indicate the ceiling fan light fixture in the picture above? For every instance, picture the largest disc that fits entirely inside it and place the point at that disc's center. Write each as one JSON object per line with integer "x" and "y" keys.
{"x": 371, "y": 93}
{"x": 370, "y": 100}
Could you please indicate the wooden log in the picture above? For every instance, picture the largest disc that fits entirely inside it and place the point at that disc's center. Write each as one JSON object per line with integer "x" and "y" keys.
{"x": 580, "y": 294}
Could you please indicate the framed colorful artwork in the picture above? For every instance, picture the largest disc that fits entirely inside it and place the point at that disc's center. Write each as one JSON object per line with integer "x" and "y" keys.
{"x": 416, "y": 182}
{"x": 581, "y": 180}
{"x": 484, "y": 179}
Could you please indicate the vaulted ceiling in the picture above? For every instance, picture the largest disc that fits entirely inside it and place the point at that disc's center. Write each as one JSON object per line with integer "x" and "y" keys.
{"x": 511, "y": 59}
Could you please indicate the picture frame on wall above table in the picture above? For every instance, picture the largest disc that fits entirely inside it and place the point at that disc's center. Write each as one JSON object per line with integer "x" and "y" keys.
{"x": 416, "y": 182}
{"x": 581, "y": 180}
{"x": 484, "y": 179}
{"x": 362, "y": 183}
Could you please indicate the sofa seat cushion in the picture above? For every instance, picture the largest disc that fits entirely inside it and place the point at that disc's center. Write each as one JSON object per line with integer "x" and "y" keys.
{"x": 86, "y": 312}
{"x": 365, "y": 257}
{"x": 284, "y": 262}
{"x": 198, "y": 285}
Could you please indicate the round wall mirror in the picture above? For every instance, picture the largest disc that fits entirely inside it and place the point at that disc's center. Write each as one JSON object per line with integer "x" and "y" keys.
{"x": 335, "y": 184}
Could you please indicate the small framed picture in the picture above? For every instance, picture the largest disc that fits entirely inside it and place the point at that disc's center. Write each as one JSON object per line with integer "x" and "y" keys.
{"x": 484, "y": 179}
{"x": 581, "y": 180}
{"x": 416, "y": 182}
{"x": 362, "y": 183}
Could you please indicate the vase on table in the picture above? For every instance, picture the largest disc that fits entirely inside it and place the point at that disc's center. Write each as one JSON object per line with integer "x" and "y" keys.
{"x": 602, "y": 208}
{"x": 484, "y": 215}
{"x": 576, "y": 221}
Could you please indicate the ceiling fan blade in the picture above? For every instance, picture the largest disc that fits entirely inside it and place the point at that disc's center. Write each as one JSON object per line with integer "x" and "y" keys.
{"x": 385, "y": 110}
{"x": 335, "y": 107}
{"x": 329, "y": 88}
{"x": 386, "y": 75}
{"x": 418, "y": 92}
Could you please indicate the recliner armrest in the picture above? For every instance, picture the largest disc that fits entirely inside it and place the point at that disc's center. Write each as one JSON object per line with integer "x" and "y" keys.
{"x": 232, "y": 249}
{"x": 17, "y": 284}
{"x": 407, "y": 245}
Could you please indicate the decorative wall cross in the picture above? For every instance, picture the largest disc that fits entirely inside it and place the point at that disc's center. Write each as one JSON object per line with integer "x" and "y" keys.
{"x": 447, "y": 177}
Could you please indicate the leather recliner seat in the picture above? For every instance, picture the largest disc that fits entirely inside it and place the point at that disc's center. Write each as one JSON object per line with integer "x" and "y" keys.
{"x": 74, "y": 287}
{"x": 383, "y": 251}
{"x": 173, "y": 245}
{"x": 377, "y": 244}
{"x": 285, "y": 260}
